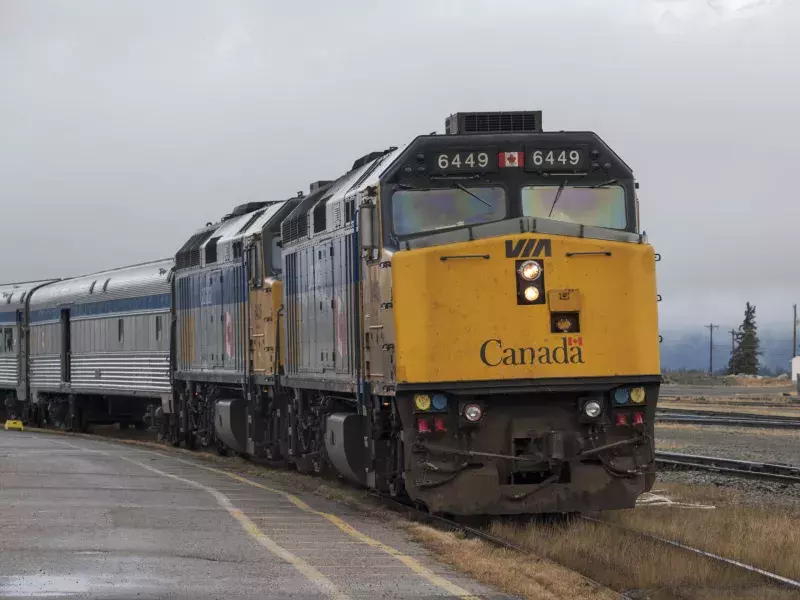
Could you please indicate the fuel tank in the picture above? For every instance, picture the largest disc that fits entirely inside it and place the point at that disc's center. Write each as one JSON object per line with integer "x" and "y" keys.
{"x": 344, "y": 444}
{"x": 230, "y": 423}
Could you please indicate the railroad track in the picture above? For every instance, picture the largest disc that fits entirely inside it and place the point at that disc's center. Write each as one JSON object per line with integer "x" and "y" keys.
{"x": 478, "y": 533}
{"x": 729, "y": 419}
{"x": 728, "y": 466}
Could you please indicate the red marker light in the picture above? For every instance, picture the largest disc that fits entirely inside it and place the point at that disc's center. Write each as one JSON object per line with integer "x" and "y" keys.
{"x": 438, "y": 425}
{"x": 622, "y": 420}
{"x": 423, "y": 426}
{"x": 638, "y": 418}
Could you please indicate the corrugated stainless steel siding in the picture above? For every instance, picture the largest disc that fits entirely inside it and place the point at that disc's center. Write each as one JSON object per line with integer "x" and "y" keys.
{"x": 141, "y": 372}
{"x": 46, "y": 371}
{"x": 148, "y": 279}
{"x": 320, "y": 297}
{"x": 9, "y": 370}
{"x": 210, "y": 307}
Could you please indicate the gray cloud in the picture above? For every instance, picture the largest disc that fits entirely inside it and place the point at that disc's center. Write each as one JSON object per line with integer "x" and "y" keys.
{"x": 126, "y": 125}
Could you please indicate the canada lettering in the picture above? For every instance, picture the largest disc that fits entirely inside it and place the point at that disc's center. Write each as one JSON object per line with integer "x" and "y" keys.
{"x": 494, "y": 354}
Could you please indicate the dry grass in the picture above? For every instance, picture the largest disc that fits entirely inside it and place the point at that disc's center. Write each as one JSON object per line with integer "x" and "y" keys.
{"x": 669, "y": 445}
{"x": 525, "y": 576}
{"x": 621, "y": 560}
{"x": 764, "y": 537}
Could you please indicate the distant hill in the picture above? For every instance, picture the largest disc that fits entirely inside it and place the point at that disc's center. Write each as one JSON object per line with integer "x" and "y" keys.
{"x": 683, "y": 349}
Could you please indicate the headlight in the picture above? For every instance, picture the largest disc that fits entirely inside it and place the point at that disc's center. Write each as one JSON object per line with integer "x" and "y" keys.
{"x": 473, "y": 413}
{"x": 638, "y": 395}
{"x": 621, "y": 395}
{"x": 422, "y": 401}
{"x": 439, "y": 401}
{"x": 592, "y": 409}
{"x": 530, "y": 270}
{"x": 531, "y": 293}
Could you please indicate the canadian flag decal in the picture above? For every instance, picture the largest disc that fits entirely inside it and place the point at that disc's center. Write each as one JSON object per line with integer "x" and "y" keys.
{"x": 578, "y": 341}
{"x": 510, "y": 159}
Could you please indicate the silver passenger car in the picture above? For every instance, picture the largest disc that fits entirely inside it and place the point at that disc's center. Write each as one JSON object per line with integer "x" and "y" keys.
{"x": 106, "y": 334}
{"x": 14, "y": 298}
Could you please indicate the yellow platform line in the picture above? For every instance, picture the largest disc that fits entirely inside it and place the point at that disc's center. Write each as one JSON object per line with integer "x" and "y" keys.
{"x": 410, "y": 562}
{"x": 324, "y": 584}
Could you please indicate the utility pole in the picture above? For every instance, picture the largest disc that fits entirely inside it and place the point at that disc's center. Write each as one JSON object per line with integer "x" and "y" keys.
{"x": 711, "y": 327}
{"x": 794, "y": 332}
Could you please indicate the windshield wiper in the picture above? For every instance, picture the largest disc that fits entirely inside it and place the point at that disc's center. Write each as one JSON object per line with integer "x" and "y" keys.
{"x": 558, "y": 195}
{"x": 604, "y": 184}
{"x": 463, "y": 189}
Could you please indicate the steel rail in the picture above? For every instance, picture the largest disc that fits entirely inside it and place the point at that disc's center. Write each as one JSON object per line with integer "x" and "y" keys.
{"x": 727, "y": 419}
{"x": 741, "y": 468}
{"x": 728, "y": 414}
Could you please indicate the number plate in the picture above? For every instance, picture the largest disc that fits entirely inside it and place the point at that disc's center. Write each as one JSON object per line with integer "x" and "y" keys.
{"x": 556, "y": 159}
{"x": 463, "y": 161}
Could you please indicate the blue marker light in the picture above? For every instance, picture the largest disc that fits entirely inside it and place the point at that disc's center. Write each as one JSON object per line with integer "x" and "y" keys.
{"x": 621, "y": 395}
{"x": 439, "y": 401}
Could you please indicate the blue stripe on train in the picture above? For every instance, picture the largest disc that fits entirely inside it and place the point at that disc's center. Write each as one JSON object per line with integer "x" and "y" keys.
{"x": 211, "y": 288}
{"x": 156, "y": 302}
{"x": 8, "y": 317}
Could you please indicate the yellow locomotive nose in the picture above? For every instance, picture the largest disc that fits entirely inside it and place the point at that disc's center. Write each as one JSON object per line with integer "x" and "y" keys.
{"x": 529, "y": 308}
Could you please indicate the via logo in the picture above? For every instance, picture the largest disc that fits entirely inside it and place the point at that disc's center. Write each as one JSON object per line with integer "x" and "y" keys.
{"x": 530, "y": 248}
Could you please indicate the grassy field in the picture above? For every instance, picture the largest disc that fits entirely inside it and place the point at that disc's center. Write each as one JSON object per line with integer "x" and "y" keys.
{"x": 707, "y": 518}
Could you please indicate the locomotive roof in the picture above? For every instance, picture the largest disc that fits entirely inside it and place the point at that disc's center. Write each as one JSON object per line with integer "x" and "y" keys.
{"x": 365, "y": 174}
{"x": 13, "y": 295}
{"x": 230, "y": 229}
{"x": 134, "y": 281}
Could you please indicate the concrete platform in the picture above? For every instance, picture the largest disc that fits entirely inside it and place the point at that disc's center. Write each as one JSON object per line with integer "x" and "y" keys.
{"x": 82, "y": 518}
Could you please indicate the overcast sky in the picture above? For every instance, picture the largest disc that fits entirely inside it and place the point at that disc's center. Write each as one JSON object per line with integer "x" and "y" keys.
{"x": 126, "y": 125}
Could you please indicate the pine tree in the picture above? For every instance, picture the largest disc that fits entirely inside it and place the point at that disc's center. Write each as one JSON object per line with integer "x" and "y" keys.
{"x": 744, "y": 358}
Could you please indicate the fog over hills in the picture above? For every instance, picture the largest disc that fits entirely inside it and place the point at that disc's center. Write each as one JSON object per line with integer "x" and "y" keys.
{"x": 687, "y": 347}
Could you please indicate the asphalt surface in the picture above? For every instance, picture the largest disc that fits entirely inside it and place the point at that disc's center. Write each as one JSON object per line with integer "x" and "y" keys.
{"x": 82, "y": 518}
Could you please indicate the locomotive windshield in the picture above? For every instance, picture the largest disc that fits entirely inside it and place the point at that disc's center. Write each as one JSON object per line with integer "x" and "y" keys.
{"x": 596, "y": 206}
{"x": 416, "y": 211}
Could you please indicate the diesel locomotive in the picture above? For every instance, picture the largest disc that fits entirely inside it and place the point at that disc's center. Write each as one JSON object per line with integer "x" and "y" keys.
{"x": 467, "y": 322}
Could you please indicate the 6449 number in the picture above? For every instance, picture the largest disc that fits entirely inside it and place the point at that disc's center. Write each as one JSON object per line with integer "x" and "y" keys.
{"x": 556, "y": 158}
{"x": 465, "y": 161}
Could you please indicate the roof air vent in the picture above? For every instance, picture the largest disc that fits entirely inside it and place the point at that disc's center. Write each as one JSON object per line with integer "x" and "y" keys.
{"x": 494, "y": 122}
{"x": 317, "y": 185}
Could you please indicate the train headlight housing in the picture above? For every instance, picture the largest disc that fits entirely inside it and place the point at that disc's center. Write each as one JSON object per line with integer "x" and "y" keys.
{"x": 422, "y": 401}
{"x": 621, "y": 395}
{"x": 638, "y": 395}
{"x": 473, "y": 413}
{"x": 530, "y": 270}
{"x": 531, "y": 293}
{"x": 592, "y": 409}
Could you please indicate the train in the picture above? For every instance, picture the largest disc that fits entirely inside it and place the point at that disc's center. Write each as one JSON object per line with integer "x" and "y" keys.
{"x": 467, "y": 323}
